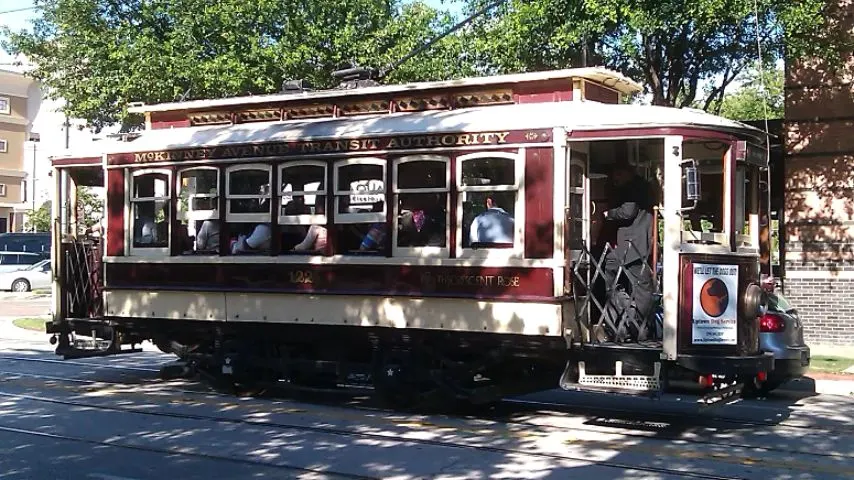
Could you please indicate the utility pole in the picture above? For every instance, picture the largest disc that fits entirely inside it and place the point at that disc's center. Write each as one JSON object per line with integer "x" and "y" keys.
{"x": 34, "y": 138}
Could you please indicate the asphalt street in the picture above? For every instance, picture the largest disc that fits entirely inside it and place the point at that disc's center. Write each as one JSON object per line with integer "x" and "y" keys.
{"x": 113, "y": 419}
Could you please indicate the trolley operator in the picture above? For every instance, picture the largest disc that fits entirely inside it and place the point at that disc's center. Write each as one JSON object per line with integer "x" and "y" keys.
{"x": 633, "y": 221}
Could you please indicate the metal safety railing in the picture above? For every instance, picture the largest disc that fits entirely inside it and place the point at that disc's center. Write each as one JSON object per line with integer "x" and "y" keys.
{"x": 83, "y": 278}
{"x": 616, "y": 301}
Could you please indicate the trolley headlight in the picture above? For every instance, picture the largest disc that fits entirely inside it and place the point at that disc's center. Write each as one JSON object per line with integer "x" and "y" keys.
{"x": 755, "y": 301}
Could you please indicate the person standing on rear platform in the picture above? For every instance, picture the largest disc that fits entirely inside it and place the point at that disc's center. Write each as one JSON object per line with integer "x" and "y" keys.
{"x": 632, "y": 216}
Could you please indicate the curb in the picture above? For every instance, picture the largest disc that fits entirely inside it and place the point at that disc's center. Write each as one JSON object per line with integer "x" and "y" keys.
{"x": 820, "y": 384}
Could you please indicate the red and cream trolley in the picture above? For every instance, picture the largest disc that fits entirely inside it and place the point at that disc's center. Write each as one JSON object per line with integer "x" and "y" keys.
{"x": 325, "y": 238}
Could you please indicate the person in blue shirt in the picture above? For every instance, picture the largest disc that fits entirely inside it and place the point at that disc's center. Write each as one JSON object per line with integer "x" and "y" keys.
{"x": 494, "y": 225}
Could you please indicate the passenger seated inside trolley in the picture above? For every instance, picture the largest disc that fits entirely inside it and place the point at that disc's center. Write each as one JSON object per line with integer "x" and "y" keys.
{"x": 252, "y": 237}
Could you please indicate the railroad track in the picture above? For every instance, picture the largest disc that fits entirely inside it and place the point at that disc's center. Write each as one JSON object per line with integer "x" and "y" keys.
{"x": 338, "y": 432}
{"x": 681, "y": 418}
{"x": 176, "y": 452}
{"x": 622, "y": 431}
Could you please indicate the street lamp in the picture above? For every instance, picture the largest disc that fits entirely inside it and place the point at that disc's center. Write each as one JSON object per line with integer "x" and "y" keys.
{"x": 35, "y": 138}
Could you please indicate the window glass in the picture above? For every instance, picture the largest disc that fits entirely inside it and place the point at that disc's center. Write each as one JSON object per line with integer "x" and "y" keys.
{"x": 198, "y": 210}
{"x": 303, "y": 190}
{"x": 198, "y": 190}
{"x": 252, "y": 189}
{"x": 360, "y": 208}
{"x": 422, "y": 174}
{"x": 488, "y": 194}
{"x": 302, "y": 209}
{"x": 361, "y": 189}
{"x": 489, "y": 172}
{"x": 422, "y": 198}
{"x": 28, "y": 259}
{"x": 150, "y": 210}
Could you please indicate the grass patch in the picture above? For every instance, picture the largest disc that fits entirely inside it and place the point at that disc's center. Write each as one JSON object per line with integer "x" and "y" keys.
{"x": 830, "y": 364}
{"x": 30, "y": 323}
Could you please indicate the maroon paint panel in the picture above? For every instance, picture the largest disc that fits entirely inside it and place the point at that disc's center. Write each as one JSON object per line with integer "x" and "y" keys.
{"x": 426, "y": 281}
{"x": 116, "y": 212}
{"x": 599, "y": 93}
{"x": 59, "y": 162}
{"x": 160, "y": 120}
{"x": 539, "y": 206}
{"x": 391, "y": 143}
{"x": 544, "y": 92}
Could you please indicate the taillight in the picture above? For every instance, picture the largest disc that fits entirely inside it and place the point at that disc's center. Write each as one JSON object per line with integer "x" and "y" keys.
{"x": 771, "y": 323}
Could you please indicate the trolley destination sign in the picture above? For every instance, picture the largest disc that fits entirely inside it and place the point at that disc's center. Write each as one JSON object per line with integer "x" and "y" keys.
{"x": 274, "y": 149}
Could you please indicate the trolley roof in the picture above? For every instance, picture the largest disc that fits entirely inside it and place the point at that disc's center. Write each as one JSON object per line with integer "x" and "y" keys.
{"x": 572, "y": 116}
{"x": 598, "y": 75}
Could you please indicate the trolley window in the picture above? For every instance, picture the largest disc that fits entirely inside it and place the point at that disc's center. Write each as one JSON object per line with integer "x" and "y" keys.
{"x": 303, "y": 192}
{"x": 248, "y": 198}
{"x": 360, "y": 207}
{"x": 198, "y": 209}
{"x": 489, "y": 198}
{"x": 302, "y": 209}
{"x": 421, "y": 186}
{"x": 150, "y": 219}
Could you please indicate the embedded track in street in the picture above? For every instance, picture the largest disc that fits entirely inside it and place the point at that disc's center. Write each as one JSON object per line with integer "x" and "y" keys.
{"x": 618, "y": 427}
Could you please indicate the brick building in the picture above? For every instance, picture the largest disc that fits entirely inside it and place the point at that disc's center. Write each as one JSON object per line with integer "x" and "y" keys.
{"x": 817, "y": 234}
{"x": 20, "y": 99}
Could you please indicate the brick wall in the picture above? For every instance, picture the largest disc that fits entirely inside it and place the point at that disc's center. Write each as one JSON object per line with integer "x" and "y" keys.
{"x": 817, "y": 231}
{"x": 826, "y": 307}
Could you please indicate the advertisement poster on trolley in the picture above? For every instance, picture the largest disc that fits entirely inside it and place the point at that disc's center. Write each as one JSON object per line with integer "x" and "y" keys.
{"x": 715, "y": 309}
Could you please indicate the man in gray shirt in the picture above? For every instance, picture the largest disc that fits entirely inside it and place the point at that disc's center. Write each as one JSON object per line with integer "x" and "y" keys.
{"x": 494, "y": 225}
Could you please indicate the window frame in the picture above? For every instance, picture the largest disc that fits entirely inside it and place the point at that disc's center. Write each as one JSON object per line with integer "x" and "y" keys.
{"x": 263, "y": 217}
{"x": 8, "y": 109}
{"x": 519, "y": 206}
{"x": 367, "y": 217}
{"x": 196, "y": 215}
{"x": 3, "y": 190}
{"x": 4, "y": 145}
{"x": 396, "y": 191}
{"x": 303, "y": 219}
{"x": 131, "y": 200}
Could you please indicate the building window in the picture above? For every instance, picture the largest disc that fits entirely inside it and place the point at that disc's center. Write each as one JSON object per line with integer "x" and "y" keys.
{"x": 5, "y": 106}
{"x": 4, "y": 146}
{"x": 150, "y": 219}
{"x": 360, "y": 206}
{"x": 2, "y": 189}
{"x": 421, "y": 185}
{"x": 302, "y": 209}
{"x": 489, "y": 213}
{"x": 198, "y": 209}
{"x": 249, "y": 197}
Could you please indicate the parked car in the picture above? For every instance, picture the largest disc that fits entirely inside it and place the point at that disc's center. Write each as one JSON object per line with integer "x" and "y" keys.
{"x": 32, "y": 277}
{"x": 781, "y": 332}
{"x": 30, "y": 242}
{"x": 11, "y": 261}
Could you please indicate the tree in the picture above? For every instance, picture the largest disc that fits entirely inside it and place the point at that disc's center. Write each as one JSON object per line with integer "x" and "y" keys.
{"x": 90, "y": 208}
{"x": 760, "y": 94}
{"x": 40, "y": 219}
{"x": 99, "y": 55}
{"x": 675, "y": 48}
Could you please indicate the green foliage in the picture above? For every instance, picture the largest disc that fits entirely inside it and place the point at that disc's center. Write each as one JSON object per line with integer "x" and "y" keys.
{"x": 761, "y": 94}
{"x": 99, "y": 55}
{"x": 674, "y": 47}
{"x": 40, "y": 219}
{"x": 90, "y": 208}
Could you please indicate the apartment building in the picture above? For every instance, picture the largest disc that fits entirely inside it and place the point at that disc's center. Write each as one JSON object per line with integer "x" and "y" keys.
{"x": 818, "y": 231}
{"x": 20, "y": 99}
